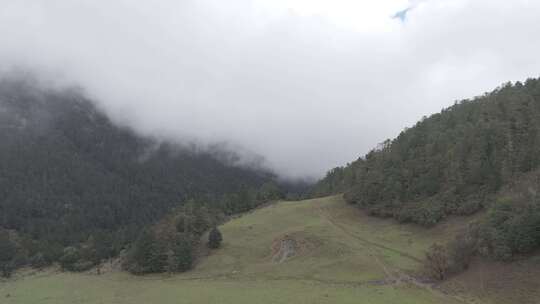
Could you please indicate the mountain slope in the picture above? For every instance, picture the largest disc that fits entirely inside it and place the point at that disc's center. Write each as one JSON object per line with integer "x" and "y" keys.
{"x": 68, "y": 173}
{"x": 314, "y": 251}
{"x": 334, "y": 258}
{"x": 458, "y": 162}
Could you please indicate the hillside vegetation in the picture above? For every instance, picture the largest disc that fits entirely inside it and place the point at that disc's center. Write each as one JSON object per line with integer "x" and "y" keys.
{"x": 314, "y": 251}
{"x": 76, "y": 187}
{"x": 469, "y": 157}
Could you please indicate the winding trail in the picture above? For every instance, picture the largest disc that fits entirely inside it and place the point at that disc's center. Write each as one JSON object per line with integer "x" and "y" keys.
{"x": 394, "y": 275}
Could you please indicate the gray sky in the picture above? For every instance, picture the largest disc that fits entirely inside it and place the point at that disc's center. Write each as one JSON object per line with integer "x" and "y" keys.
{"x": 308, "y": 84}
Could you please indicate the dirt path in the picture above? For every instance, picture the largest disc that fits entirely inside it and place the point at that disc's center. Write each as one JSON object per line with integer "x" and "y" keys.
{"x": 341, "y": 227}
{"x": 393, "y": 275}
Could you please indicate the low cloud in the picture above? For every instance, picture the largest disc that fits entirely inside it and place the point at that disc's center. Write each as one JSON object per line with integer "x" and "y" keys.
{"x": 304, "y": 88}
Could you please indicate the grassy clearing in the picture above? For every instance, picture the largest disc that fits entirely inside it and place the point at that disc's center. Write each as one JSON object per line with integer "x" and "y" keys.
{"x": 342, "y": 256}
{"x": 121, "y": 288}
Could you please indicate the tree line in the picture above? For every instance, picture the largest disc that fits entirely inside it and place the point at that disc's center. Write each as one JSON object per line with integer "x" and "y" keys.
{"x": 76, "y": 189}
{"x": 457, "y": 162}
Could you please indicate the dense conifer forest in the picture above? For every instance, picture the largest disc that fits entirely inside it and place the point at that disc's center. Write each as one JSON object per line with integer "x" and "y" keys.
{"x": 475, "y": 155}
{"x": 77, "y": 189}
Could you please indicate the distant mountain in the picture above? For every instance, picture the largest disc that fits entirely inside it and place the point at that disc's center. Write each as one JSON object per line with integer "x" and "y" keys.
{"x": 477, "y": 154}
{"x": 68, "y": 173}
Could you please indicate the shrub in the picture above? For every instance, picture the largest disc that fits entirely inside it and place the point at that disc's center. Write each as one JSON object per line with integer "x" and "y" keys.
{"x": 214, "y": 238}
{"x": 461, "y": 251}
{"x": 437, "y": 262}
{"x": 69, "y": 258}
{"x": 39, "y": 261}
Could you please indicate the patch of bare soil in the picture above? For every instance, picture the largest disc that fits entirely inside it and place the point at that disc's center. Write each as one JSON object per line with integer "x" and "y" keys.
{"x": 290, "y": 245}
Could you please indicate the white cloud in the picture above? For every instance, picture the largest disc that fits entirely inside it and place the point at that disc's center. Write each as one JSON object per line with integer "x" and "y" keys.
{"x": 360, "y": 15}
{"x": 307, "y": 84}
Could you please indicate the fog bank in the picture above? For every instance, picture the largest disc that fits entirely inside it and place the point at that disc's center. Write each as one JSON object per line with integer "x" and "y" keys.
{"x": 308, "y": 85}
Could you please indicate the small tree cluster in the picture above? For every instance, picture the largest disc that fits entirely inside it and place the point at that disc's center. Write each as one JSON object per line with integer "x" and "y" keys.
{"x": 511, "y": 227}
{"x": 8, "y": 251}
{"x": 454, "y": 257}
{"x": 169, "y": 246}
{"x": 82, "y": 257}
{"x": 249, "y": 198}
{"x": 144, "y": 256}
{"x": 182, "y": 255}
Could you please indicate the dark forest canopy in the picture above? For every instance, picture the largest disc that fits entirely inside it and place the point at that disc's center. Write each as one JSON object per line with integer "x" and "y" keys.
{"x": 456, "y": 162}
{"x": 69, "y": 177}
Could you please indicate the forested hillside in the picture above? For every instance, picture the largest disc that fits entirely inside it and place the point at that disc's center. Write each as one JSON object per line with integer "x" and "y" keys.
{"x": 69, "y": 178}
{"x": 457, "y": 162}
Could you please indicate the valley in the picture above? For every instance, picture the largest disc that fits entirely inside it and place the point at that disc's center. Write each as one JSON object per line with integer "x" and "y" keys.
{"x": 335, "y": 253}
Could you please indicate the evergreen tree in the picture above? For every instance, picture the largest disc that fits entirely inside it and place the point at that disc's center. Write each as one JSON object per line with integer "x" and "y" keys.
{"x": 68, "y": 172}
{"x": 457, "y": 162}
{"x": 141, "y": 253}
{"x": 8, "y": 251}
{"x": 157, "y": 262}
{"x": 452, "y": 162}
{"x": 182, "y": 256}
{"x": 69, "y": 258}
{"x": 214, "y": 238}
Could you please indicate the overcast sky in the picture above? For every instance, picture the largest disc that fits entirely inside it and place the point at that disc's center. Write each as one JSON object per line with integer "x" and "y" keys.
{"x": 308, "y": 84}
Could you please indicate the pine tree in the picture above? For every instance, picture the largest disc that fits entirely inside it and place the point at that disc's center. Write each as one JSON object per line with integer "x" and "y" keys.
{"x": 141, "y": 253}
{"x": 182, "y": 257}
{"x": 70, "y": 256}
{"x": 214, "y": 238}
{"x": 157, "y": 262}
{"x": 7, "y": 254}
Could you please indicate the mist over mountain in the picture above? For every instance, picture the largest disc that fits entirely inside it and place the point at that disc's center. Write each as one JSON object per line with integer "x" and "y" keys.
{"x": 68, "y": 173}
{"x": 193, "y": 141}
{"x": 306, "y": 84}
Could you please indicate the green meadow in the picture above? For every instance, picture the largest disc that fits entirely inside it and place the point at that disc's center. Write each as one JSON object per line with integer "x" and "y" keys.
{"x": 335, "y": 254}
